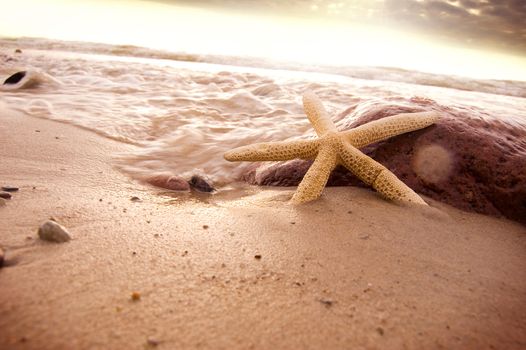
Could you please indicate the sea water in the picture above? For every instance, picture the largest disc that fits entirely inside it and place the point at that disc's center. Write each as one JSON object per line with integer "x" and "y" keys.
{"x": 183, "y": 112}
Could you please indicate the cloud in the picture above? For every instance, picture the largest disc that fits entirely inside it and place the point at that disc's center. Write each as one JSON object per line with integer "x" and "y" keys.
{"x": 499, "y": 24}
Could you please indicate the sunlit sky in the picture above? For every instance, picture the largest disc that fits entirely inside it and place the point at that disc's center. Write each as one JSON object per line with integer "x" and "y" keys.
{"x": 475, "y": 38}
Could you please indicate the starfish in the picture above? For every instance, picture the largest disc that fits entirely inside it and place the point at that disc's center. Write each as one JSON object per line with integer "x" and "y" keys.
{"x": 333, "y": 147}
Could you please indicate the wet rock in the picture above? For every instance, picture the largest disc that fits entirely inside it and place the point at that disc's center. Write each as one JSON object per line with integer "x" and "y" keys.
{"x": 200, "y": 184}
{"x": 1, "y": 257}
{"x": 169, "y": 182}
{"x": 9, "y": 188}
{"x": 5, "y": 195}
{"x": 467, "y": 159}
{"x": 15, "y": 78}
{"x": 53, "y": 232}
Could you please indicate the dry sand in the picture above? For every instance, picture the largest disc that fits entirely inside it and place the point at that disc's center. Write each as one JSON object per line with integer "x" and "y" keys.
{"x": 350, "y": 271}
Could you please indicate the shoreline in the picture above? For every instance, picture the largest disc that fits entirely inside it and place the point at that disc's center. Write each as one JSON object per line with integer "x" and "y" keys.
{"x": 226, "y": 271}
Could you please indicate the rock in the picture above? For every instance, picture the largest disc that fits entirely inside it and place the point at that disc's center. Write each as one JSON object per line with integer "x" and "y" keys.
{"x": 18, "y": 51}
{"x": 53, "y": 232}
{"x": 1, "y": 257}
{"x": 5, "y": 195}
{"x": 15, "y": 78}
{"x": 469, "y": 160}
{"x": 9, "y": 188}
{"x": 169, "y": 182}
{"x": 200, "y": 184}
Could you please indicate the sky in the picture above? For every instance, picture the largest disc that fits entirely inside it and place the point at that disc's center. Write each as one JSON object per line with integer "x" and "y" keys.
{"x": 475, "y": 38}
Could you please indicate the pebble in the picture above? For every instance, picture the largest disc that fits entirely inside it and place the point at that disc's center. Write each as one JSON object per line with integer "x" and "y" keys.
{"x": 1, "y": 257}
{"x": 53, "y": 232}
{"x": 174, "y": 183}
{"x": 5, "y": 195}
{"x": 135, "y": 199}
{"x": 9, "y": 188}
{"x": 200, "y": 184}
{"x": 15, "y": 78}
{"x": 257, "y": 256}
{"x": 136, "y": 296}
{"x": 327, "y": 302}
{"x": 153, "y": 341}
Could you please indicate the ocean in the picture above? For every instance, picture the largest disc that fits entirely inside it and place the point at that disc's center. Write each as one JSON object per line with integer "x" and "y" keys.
{"x": 183, "y": 111}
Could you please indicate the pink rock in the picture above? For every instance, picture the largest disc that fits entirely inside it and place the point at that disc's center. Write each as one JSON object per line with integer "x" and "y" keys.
{"x": 469, "y": 160}
{"x": 169, "y": 182}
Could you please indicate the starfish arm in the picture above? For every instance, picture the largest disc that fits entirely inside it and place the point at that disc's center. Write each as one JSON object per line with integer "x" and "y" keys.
{"x": 391, "y": 187}
{"x": 376, "y": 175}
{"x": 285, "y": 150}
{"x": 385, "y": 128}
{"x": 316, "y": 177}
{"x": 318, "y": 116}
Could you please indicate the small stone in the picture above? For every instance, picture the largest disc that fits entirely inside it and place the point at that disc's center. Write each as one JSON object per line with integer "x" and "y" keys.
{"x": 15, "y": 78}
{"x": 200, "y": 184}
{"x": 136, "y": 296}
{"x": 53, "y": 232}
{"x": 135, "y": 199}
{"x": 380, "y": 330}
{"x": 9, "y": 188}
{"x": 18, "y": 51}
{"x": 1, "y": 257}
{"x": 5, "y": 195}
{"x": 205, "y": 227}
{"x": 257, "y": 256}
{"x": 169, "y": 182}
{"x": 153, "y": 341}
{"x": 327, "y": 302}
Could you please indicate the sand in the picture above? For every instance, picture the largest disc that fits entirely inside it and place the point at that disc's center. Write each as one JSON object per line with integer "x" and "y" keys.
{"x": 241, "y": 269}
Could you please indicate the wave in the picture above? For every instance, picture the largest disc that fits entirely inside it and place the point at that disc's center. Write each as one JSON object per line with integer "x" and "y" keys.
{"x": 499, "y": 87}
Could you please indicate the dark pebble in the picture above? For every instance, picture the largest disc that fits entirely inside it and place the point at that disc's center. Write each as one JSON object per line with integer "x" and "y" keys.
{"x": 258, "y": 257}
{"x": 15, "y": 78}
{"x": 135, "y": 199}
{"x": 18, "y": 51}
{"x": 200, "y": 184}
{"x": 9, "y": 188}
{"x": 327, "y": 302}
{"x": 5, "y": 195}
{"x": 380, "y": 330}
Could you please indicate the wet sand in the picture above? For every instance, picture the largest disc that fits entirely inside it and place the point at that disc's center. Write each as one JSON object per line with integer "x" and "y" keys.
{"x": 240, "y": 269}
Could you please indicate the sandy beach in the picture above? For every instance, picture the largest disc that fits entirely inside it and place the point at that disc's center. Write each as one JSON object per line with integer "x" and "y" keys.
{"x": 241, "y": 269}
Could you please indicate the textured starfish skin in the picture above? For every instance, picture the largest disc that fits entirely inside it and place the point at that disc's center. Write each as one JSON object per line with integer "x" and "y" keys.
{"x": 332, "y": 148}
